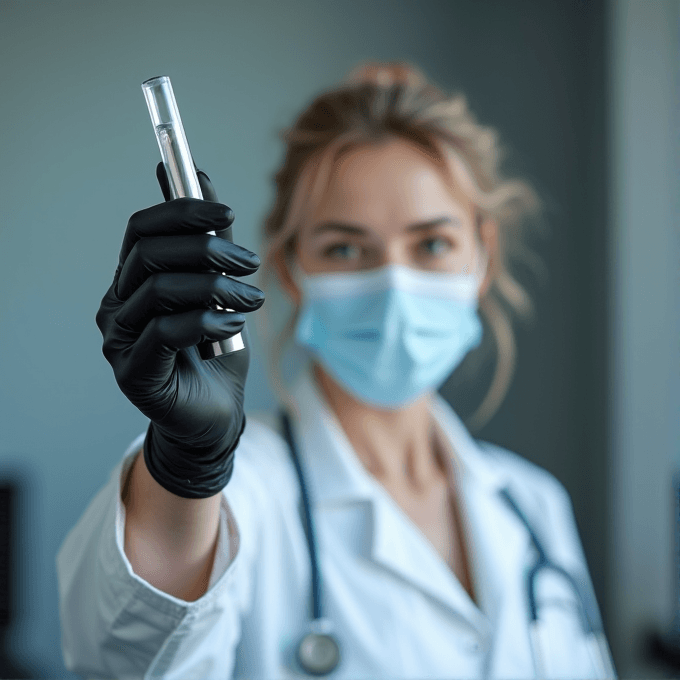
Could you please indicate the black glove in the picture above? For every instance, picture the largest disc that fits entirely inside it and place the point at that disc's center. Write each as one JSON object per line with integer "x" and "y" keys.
{"x": 158, "y": 308}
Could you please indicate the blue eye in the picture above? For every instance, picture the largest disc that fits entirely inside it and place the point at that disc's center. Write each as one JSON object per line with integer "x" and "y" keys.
{"x": 341, "y": 251}
{"x": 436, "y": 246}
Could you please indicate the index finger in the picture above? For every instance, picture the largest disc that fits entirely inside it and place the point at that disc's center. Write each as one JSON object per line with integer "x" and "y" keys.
{"x": 178, "y": 217}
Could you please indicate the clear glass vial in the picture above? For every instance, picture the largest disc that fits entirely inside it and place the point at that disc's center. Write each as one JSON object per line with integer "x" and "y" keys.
{"x": 179, "y": 167}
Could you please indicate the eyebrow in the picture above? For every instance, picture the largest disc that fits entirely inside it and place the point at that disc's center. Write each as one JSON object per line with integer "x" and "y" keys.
{"x": 349, "y": 228}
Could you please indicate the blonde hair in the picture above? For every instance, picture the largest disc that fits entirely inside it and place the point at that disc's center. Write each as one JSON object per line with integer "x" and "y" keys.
{"x": 393, "y": 100}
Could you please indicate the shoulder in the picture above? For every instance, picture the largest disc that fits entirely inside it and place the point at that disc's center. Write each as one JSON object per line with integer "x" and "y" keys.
{"x": 528, "y": 478}
{"x": 544, "y": 498}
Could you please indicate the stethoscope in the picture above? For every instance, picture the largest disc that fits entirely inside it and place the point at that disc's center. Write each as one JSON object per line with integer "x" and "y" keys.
{"x": 319, "y": 651}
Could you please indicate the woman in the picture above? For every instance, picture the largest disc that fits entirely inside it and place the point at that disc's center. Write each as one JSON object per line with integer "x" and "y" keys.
{"x": 390, "y": 229}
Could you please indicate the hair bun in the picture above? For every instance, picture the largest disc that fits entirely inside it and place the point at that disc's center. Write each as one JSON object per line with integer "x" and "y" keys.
{"x": 386, "y": 74}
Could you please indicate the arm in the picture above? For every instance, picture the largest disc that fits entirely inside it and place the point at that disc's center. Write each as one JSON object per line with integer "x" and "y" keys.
{"x": 133, "y": 573}
{"x": 115, "y": 624}
{"x": 170, "y": 541}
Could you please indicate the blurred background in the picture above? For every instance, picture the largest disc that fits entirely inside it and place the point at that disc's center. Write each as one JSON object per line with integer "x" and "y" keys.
{"x": 585, "y": 96}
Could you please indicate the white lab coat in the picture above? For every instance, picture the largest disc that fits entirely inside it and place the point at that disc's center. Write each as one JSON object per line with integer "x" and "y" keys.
{"x": 398, "y": 610}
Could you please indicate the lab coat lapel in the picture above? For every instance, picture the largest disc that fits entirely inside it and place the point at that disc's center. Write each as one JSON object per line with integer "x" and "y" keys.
{"x": 496, "y": 540}
{"x": 500, "y": 552}
{"x": 499, "y": 546}
{"x": 399, "y": 546}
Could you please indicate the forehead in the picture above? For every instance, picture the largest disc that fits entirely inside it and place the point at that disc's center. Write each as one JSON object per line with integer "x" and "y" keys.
{"x": 395, "y": 181}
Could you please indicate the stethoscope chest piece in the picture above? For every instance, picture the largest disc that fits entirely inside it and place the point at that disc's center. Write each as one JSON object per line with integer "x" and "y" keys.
{"x": 319, "y": 652}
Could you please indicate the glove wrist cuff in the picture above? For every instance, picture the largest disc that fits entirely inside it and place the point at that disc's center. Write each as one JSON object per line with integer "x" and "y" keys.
{"x": 189, "y": 472}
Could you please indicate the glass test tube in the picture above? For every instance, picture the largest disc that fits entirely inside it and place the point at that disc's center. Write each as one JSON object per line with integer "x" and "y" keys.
{"x": 179, "y": 167}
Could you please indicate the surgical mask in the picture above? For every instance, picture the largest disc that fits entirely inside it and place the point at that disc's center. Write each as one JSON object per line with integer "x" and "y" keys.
{"x": 388, "y": 335}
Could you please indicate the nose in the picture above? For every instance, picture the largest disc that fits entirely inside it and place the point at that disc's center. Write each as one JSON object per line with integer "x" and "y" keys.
{"x": 395, "y": 254}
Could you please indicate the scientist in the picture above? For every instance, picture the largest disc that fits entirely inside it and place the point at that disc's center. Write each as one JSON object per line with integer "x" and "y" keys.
{"x": 359, "y": 531}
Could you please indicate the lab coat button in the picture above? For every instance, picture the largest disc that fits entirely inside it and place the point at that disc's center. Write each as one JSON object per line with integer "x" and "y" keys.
{"x": 473, "y": 646}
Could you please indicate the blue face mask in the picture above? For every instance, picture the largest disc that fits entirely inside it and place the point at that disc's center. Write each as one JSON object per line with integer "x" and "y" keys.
{"x": 389, "y": 335}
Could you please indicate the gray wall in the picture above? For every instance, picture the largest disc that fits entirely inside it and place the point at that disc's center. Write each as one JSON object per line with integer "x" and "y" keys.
{"x": 78, "y": 158}
{"x": 644, "y": 255}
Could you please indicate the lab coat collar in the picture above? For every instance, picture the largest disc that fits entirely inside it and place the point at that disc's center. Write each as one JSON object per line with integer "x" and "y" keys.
{"x": 340, "y": 488}
{"x": 338, "y": 474}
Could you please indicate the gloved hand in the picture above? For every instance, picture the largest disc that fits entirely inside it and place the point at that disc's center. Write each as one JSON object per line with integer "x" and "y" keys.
{"x": 159, "y": 306}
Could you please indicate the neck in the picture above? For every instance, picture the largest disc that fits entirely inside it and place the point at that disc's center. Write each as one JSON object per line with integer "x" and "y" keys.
{"x": 397, "y": 446}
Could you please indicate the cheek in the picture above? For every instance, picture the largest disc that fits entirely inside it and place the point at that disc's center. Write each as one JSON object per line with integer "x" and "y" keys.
{"x": 467, "y": 246}
{"x": 302, "y": 249}
{"x": 306, "y": 258}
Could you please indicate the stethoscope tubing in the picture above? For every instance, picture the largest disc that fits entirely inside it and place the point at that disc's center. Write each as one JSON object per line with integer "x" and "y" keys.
{"x": 589, "y": 616}
{"x": 309, "y": 525}
{"x": 591, "y": 623}
{"x": 319, "y": 652}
